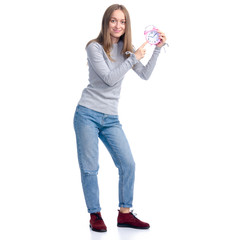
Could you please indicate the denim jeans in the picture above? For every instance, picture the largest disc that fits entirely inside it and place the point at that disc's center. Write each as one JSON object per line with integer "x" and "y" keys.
{"x": 89, "y": 126}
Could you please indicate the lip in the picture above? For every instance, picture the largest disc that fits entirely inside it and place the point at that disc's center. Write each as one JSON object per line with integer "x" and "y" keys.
{"x": 117, "y": 31}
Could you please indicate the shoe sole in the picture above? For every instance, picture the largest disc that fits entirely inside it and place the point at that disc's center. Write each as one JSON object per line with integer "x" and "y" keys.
{"x": 131, "y": 226}
{"x": 97, "y": 230}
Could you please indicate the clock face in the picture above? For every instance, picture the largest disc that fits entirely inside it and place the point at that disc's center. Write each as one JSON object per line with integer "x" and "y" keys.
{"x": 153, "y": 37}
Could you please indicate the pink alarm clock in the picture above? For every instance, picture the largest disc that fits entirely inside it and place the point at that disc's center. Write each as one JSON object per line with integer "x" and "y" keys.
{"x": 152, "y": 35}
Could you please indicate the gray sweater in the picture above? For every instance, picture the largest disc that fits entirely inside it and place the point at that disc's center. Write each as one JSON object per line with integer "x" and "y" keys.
{"x": 105, "y": 76}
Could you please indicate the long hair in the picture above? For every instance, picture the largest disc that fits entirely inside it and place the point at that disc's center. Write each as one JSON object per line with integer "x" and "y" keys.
{"x": 104, "y": 36}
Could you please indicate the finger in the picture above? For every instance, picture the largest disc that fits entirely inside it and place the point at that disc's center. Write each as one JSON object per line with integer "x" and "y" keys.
{"x": 163, "y": 37}
{"x": 142, "y": 46}
{"x": 161, "y": 33}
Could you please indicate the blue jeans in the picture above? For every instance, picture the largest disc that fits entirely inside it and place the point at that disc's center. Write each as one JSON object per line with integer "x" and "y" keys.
{"x": 90, "y": 125}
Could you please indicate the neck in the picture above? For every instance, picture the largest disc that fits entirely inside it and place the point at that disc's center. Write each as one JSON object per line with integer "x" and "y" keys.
{"x": 114, "y": 40}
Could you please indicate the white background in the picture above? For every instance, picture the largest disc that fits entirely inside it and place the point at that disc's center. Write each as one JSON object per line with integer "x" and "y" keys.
{"x": 182, "y": 124}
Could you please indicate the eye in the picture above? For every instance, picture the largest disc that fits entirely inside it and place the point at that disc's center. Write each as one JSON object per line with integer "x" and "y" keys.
{"x": 123, "y": 22}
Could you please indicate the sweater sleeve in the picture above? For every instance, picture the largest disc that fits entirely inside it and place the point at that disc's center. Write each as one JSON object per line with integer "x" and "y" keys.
{"x": 145, "y": 71}
{"x": 98, "y": 62}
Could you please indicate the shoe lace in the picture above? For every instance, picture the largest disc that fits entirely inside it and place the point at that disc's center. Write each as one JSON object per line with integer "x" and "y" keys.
{"x": 134, "y": 214}
{"x": 98, "y": 216}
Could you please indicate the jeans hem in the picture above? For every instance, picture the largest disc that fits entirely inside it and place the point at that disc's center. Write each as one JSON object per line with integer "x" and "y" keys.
{"x": 125, "y": 205}
{"x": 94, "y": 210}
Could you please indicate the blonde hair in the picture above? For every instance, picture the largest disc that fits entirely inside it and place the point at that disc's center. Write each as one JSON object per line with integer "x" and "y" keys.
{"x": 104, "y": 36}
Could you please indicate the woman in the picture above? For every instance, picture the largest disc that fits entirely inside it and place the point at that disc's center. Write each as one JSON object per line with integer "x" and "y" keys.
{"x": 110, "y": 57}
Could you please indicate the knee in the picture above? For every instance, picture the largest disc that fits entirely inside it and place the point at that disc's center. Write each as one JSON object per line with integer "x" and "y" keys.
{"x": 89, "y": 166}
{"x": 131, "y": 165}
{"x": 86, "y": 172}
{"x": 128, "y": 166}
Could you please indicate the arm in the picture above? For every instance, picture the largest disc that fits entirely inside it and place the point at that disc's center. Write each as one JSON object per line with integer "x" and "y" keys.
{"x": 145, "y": 71}
{"x": 98, "y": 62}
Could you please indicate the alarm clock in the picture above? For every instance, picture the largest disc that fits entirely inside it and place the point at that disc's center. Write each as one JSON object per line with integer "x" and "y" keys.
{"x": 152, "y": 35}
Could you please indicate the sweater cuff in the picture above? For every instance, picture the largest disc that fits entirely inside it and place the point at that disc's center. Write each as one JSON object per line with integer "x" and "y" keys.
{"x": 132, "y": 58}
{"x": 158, "y": 49}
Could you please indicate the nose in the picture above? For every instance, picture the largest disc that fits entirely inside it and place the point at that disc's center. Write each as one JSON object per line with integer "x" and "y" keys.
{"x": 118, "y": 24}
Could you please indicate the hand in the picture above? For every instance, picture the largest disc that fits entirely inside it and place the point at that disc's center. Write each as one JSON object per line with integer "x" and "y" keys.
{"x": 140, "y": 53}
{"x": 163, "y": 39}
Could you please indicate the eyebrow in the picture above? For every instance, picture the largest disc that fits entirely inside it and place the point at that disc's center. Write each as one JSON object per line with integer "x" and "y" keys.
{"x": 117, "y": 19}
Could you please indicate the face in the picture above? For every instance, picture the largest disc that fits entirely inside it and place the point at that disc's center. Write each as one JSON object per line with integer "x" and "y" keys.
{"x": 117, "y": 25}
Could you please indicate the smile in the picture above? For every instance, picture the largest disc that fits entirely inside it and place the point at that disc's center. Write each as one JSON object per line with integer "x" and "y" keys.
{"x": 117, "y": 31}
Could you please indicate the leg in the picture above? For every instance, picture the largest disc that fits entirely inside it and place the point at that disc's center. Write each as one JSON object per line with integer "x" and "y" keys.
{"x": 87, "y": 147}
{"x": 116, "y": 142}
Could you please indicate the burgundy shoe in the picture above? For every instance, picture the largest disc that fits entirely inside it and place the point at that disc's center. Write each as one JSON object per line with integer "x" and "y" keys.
{"x": 96, "y": 222}
{"x": 130, "y": 221}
